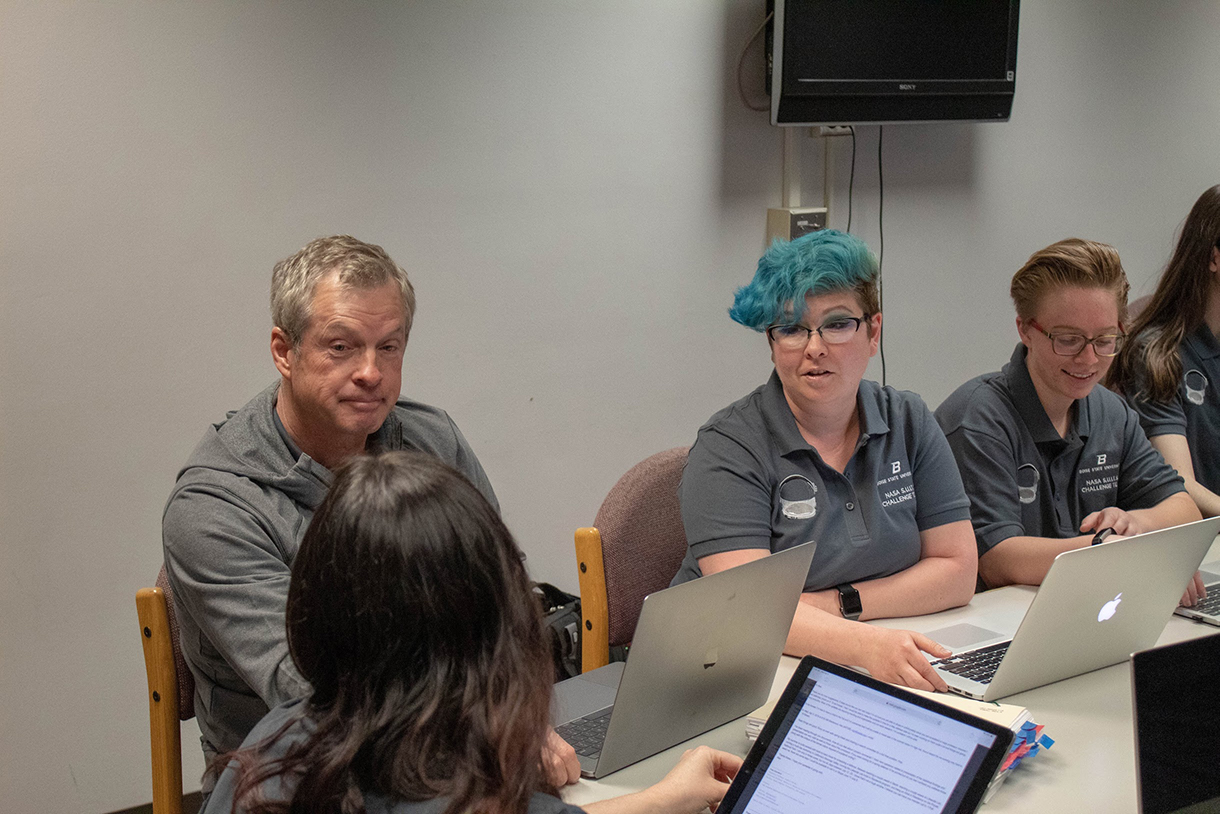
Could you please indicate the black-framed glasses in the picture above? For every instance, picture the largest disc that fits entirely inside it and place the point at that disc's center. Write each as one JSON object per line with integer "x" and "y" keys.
{"x": 834, "y": 331}
{"x": 1073, "y": 344}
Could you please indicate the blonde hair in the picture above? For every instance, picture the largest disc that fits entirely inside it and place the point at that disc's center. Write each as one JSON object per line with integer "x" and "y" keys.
{"x": 1070, "y": 262}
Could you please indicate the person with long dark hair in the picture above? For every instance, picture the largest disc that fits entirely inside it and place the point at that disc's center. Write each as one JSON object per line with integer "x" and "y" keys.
{"x": 411, "y": 616}
{"x": 1170, "y": 372}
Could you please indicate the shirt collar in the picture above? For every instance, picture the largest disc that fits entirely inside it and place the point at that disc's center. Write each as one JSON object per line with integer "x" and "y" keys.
{"x": 869, "y": 400}
{"x": 779, "y": 418}
{"x": 293, "y": 449}
{"x": 1025, "y": 398}
{"x": 1203, "y": 342}
{"x": 782, "y": 422}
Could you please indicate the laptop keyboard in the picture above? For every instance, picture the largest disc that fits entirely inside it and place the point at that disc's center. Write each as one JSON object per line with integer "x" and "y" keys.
{"x": 977, "y": 665}
{"x": 1211, "y": 605}
{"x": 586, "y": 735}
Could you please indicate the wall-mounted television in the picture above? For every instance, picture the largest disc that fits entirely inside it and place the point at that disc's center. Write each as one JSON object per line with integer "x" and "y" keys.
{"x": 883, "y": 61}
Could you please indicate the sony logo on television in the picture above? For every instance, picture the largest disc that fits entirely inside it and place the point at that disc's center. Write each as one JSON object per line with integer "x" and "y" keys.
{"x": 906, "y": 87}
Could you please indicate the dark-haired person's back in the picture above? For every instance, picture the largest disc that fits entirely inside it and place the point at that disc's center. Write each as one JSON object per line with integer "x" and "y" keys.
{"x": 299, "y": 727}
{"x": 411, "y": 616}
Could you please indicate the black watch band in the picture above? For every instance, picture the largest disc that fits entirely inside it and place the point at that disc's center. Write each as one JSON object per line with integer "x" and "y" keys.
{"x": 1100, "y": 537}
{"x": 849, "y": 601}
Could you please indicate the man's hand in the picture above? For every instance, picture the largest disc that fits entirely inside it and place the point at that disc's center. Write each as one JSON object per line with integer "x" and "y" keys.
{"x": 1112, "y": 517}
{"x": 897, "y": 656}
{"x": 559, "y": 760}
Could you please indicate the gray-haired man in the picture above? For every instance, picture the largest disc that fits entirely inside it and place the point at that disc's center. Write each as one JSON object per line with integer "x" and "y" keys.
{"x": 342, "y": 311}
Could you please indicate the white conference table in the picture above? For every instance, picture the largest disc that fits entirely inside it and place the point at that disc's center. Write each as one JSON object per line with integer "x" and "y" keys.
{"x": 1090, "y": 768}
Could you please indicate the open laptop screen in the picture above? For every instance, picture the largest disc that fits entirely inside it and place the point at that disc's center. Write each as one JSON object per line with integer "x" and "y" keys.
{"x": 841, "y": 741}
{"x": 1177, "y": 726}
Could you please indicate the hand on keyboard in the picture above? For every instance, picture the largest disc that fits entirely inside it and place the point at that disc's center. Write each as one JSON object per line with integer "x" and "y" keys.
{"x": 559, "y": 760}
{"x": 897, "y": 656}
{"x": 1195, "y": 592}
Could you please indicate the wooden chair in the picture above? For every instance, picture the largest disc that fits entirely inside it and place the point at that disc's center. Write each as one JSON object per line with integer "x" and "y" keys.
{"x": 635, "y": 548}
{"x": 171, "y": 692}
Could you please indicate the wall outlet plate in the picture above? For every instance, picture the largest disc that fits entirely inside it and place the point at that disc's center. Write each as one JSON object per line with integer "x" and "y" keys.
{"x": 789, "y": 223}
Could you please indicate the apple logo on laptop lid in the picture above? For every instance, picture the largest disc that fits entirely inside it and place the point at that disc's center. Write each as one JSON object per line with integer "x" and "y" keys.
{"x": 1110, "y": 608}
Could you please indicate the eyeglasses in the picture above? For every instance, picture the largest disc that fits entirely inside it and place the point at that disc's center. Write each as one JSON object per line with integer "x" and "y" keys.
{"x": 834, "y": 331}
{"x": 1073, "y": 344}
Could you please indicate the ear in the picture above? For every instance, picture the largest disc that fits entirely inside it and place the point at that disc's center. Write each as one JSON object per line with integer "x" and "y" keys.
{"x": 1214, "y": 265}
{"x": 281, "y": 348}
{"x": 874, "y": 333}
{"x": 1023, "y": 331}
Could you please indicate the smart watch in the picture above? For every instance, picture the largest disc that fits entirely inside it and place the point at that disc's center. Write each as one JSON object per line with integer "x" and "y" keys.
{"x": 849, "y": 601}
{"x": 1100, "y": 537}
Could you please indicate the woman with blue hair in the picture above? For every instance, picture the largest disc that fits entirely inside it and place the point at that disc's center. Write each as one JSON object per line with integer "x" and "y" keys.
{"x": 819, "y": 453}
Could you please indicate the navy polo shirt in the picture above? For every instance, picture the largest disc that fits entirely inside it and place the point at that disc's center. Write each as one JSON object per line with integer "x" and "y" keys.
{"x": 752, "y": 481}
{"x": 1025, "y": 480}
{"x": 1194, "y": 410}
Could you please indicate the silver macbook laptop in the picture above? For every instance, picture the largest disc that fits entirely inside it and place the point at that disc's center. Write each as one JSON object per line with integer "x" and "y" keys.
{"x": 1096, "y": 606}
{"x": 704, "y": 653}
{"x": 1176, "y": 701}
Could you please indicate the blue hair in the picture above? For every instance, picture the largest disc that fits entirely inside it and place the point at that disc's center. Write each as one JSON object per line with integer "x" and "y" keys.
{"x": 816, "y": 263}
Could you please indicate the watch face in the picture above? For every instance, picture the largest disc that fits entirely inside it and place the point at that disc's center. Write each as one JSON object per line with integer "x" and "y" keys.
{"x": 849, "y": 602}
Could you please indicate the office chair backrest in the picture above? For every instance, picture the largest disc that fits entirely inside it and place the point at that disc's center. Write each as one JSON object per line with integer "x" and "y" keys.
{"x": 642, "y": 543}
{"x": 171, "y": 691}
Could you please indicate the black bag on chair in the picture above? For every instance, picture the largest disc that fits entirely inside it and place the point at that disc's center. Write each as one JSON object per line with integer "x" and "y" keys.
{"x": 561, "y": 623}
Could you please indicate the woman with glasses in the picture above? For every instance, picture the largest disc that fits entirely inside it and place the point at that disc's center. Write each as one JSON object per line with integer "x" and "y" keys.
{"x": 410, "y": 614}
{"x": 1051, "y": 461}
{"x": 1171, "y": 371}
{"x": 820, "y": 453}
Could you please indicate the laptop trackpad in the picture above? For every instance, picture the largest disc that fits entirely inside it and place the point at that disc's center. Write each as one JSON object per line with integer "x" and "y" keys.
{"x": 955, "y": 637}
{"x": 585, "y": 694}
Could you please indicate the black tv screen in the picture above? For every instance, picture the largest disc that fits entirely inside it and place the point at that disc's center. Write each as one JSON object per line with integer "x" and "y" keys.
{"x": 871, "y": 61}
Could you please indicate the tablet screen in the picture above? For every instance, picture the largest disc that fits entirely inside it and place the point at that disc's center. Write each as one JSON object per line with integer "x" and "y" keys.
{"x": 840, "y": 741}
{"x": 1177, "y": 726}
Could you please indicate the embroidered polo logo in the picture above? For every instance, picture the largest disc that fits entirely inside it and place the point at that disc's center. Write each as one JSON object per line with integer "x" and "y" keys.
{"x": 1027, "y": 483}
{"x": 797, "y": 497}
{"x": 1196, "y": 386}
{"x": 895, "y": 467}
{"x": 1101, "y": 459}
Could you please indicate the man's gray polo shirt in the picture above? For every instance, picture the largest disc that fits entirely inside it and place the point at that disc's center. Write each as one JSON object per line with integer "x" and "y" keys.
{"x": 1024, "y": 479}
{"x": 1194, "y": 410}
{"x": 900, "y": 481}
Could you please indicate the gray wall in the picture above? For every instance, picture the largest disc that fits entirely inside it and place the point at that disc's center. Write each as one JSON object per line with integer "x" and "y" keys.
{"x": 575, "y": 190}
